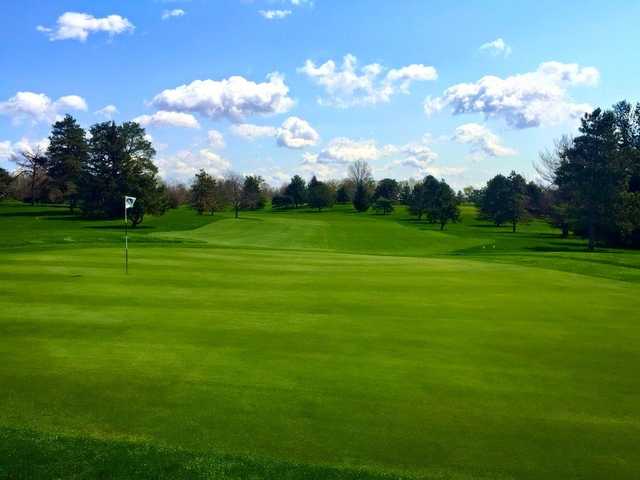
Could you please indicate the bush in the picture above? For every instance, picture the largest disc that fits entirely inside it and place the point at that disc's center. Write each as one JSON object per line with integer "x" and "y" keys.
{"x": 282, "y": 201}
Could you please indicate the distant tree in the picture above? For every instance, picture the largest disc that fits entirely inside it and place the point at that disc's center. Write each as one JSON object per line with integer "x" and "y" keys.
{"x": 405, "y": 193}
{"x": 517, "y": 207}
{"x": 282, "y": 202}
{"x": 5, "y": 183}
{"x": 445, "y": 205}
{"x": 234, "y": 191}
{"x": 417, "y": 201}
{"x": 203, "y": 193}
{"x": 32, "y": 164}
{"x": 342, "y": 194}
{"x": 496, "y": 200}
{"x": 120, "y": 163}
{"x": 472, "y": 195}
{"x": 319, "y": 195}
{"x": 297, "y": 190}
{"x": 253, "y": 196}
{"x": 535, "y": 199}
{"x": 383, "y": 205}
{"x": 431, "y": 191}
{"x": 360, "y": 175}
{"x": 67, "y": 156}
{"x": 177, "y": 195}
{"x": 387, "y": 188}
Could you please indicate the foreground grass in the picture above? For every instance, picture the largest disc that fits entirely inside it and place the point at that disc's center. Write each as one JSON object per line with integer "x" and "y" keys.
{"x": 303, "y": 345}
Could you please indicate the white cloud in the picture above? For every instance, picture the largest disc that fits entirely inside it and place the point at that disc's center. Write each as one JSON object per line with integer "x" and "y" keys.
{"x": 9, "y": 149}
{"x": 293, "y": 133}
{"x": 233, "y": 98}
{"x": 176, "y": 12}
{"x": 164, "y": 118}
{"x": 482, "y": 140}
{"x": 70, "y": 102}
{"x": 108, "y": 111}
{"x": 343, "y": 150}
{"x": 497, "y": 47}
{"x": 182, "y": 166}
{"x": 38, "y": 107}
{"x": 323, "y": 171}
{"x": 349, "y": 85}
{"x": 216, "y": 140}
{"x": 296, "y": 133}
{"x": 275, "y": 14}
{"x": 251, "y": 132}
{"x": 78, "y": 26}
{"x": 524, "y": 100}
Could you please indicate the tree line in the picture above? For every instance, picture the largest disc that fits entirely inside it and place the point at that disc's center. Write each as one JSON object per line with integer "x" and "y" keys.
{"x": 589, "y": 183}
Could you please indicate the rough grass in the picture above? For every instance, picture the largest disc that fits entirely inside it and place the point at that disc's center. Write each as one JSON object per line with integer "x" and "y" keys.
{"x": 304, "y": 345}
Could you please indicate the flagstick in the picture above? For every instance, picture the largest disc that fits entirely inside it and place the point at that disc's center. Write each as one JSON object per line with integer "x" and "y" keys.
{"x": 126, "y": 240}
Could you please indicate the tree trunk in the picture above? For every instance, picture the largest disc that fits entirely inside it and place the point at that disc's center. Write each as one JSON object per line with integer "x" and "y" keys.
{"x": 514, "y": 226}
{"x": 33, "y": 186}
{"x": 441, "y": 226}
{"x": 592, "y": 234}
{"x": 237, "y": 208}
{"x": 565, "y": 230}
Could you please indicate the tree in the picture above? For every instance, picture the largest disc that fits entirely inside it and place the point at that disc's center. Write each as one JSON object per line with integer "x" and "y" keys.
{"x": 67, "y": 155}
{"x": 342, "y": 194}
{"x": 360, "y": 175}
{"x": 598, "y": 176}
{"x": 120, "y": 163}
{"x": 445, "y": 205}
{"x": 423, "y": 197}
{"x": 253, "y": 197}
{"x": 517, "y": 207}
{"x": 387, "y": 188}
{"x": 319, "y": 194}
{"x": 203, "y": 193}
{"x": 282, "y": 201}
{"x": 495, "y": 201}
{"x": 297, "y": 190}
{"x": 234, "y": 191}
{"x": 404, "y": 194}
{"x": 5, "y": 182}
{"x": 383, "y": 205}
{"x": 177, "y": 195}
{"x": 32, "y": 164}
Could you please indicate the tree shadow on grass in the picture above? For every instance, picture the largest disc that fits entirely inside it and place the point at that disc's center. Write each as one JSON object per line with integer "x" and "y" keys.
{"x": 39, "y": 213}
{"x": 120, "y": 227}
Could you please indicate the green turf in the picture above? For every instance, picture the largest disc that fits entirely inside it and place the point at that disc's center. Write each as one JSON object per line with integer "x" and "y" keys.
{"x": 314, "y": 345}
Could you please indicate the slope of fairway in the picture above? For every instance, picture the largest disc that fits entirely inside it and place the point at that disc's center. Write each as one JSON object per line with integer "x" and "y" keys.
{"x": 435, "y": 367}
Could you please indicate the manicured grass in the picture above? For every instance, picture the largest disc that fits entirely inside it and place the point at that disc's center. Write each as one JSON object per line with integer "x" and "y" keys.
{"x": 314, "y": 345}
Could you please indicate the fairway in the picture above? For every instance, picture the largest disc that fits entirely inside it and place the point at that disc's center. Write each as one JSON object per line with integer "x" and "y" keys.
{"x": 315, "y": 345}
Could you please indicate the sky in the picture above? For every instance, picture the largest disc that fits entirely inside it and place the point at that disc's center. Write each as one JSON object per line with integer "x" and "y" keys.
{"x": 460, "y": 90}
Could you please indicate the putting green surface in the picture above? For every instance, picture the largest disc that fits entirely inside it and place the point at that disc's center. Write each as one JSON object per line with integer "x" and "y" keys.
{"x": 298, "y": 345}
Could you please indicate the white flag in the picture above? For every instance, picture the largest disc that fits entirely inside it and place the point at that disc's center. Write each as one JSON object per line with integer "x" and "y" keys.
{"x": 129, "y": 201}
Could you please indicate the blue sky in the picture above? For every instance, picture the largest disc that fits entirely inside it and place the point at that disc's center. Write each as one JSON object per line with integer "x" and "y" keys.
{"x": 462, "y": 90}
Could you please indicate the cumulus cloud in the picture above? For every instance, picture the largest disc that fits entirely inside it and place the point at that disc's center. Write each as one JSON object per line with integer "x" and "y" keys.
{"x": 349, "y": 85}
{"x": 108, "y": 111}
{"x": 164, "y": 118}
{"x": 275, "y": 14}
{"x": 296, "y": 133}
{"x": 497, "y": 47}
{"x": 482, "y": 140}
{"x": 525, "y": 100}
{"x": 343, "y": 150}
{"x": 233, "y": 98}
{"x": 293, "y": 133}
{"x": 78, "y": 26}
{"x": 9, "y": 150}
{"x": 176, "y": 12}
{"x": 38, "y": 107}
{"x": 216, "y": 140}
{"x": 251, "y": 132}
{"x": 182, "y": 166}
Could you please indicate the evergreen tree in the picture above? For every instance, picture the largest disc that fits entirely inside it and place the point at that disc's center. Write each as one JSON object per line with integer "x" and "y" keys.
{"x": 319, "y": 195}
{"x": 387, "y": 188}
{"x": 296, "y": 190}
{"x": 496, "y": 199}
{"x": 253, "y": 197}
{"x": 445, "y": 205}
{"x": 67, "y": 156}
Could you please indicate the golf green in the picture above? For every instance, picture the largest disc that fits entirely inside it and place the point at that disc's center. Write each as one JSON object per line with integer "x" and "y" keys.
{"x": 315, "y": 345}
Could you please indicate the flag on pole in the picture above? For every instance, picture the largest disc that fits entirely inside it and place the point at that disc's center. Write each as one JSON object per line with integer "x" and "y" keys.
{"x": 129, "y": 201}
